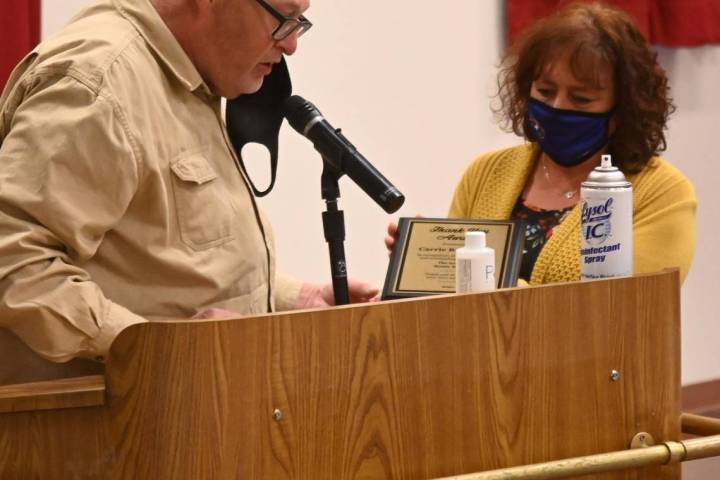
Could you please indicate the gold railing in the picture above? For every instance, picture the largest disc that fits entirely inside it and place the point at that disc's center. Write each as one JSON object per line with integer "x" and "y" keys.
{"x": 663, "y": 454}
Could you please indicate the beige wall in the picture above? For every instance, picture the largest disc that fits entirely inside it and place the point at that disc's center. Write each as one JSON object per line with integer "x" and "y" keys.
{"x": 409, "y": 83}
{"x": 695, "y": 76}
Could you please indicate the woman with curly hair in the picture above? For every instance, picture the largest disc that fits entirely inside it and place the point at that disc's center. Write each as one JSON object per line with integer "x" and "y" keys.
{"x": 578, "y": 84}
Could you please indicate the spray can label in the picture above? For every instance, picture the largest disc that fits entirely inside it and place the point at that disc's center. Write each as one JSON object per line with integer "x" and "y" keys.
{"x": 606, "y": 232}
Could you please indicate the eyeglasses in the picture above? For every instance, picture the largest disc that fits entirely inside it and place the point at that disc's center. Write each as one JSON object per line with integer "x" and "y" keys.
{"x": 287, "y": 25}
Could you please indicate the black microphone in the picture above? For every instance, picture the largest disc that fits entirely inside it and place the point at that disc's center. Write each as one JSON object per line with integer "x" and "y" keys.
{"x": 340, "y": 153}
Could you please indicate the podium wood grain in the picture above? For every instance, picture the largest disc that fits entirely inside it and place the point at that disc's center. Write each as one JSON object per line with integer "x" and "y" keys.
{"x": 50, "y": 395}
{"x": 410, "y": 389}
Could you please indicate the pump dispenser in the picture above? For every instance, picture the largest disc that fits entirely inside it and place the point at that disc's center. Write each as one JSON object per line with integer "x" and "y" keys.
{"x": 474, "y": 265}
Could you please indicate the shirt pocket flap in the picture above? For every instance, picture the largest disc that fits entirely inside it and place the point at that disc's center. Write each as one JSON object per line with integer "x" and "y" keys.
{"x": 194, "y": 168}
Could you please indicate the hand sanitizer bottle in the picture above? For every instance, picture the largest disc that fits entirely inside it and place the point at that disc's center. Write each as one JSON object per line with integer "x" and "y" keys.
{"x": 474, "y": 265}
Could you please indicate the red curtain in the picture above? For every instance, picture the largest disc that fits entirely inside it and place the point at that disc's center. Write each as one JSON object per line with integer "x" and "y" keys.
{"x": 685, "y": 23}
{"x": 672, "y": 23}
{"x": 19, "y": 33}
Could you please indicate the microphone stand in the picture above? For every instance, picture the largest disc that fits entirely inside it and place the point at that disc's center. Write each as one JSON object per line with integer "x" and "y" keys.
{"x": 334, "y": 229}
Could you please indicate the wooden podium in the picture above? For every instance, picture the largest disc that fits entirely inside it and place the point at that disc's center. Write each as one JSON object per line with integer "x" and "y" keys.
{"x": 409, "y": 389}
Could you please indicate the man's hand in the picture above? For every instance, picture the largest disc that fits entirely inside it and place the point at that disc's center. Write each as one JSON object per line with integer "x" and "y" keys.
{"x": 314, "y": 295}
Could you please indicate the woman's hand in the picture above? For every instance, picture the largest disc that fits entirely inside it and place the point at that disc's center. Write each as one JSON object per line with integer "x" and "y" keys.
{"x": 391, "y": 236}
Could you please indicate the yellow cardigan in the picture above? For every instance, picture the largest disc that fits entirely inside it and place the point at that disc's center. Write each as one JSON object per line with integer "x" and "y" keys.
{"x": 663, "y": 213}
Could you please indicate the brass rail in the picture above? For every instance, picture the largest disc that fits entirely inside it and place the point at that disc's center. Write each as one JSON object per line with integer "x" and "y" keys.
{"x": 699, "y": 425}
{"x": 663, "y": 454}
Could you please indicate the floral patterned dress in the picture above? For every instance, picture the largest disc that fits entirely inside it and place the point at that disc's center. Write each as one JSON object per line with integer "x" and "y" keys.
{"x": 539, "y": 225}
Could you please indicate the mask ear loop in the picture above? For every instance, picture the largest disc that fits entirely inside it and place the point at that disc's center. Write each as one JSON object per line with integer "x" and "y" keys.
{"x": 273, "y": 174}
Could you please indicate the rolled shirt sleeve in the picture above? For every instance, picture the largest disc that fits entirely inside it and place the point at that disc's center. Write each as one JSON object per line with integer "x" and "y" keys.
{"x": 68, "y": 171}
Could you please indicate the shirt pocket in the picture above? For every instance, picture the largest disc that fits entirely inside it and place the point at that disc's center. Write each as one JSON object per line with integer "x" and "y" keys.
{"x": 202, "y": 203}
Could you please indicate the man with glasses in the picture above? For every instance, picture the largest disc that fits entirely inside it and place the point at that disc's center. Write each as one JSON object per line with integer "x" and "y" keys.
{"x": 235, "y": 43}
{"x": 120, "y": 196}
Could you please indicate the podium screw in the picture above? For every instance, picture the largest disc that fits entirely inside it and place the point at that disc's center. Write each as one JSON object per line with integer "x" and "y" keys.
{"x": 615, "y": 375}
{"x": 277, "y": 414}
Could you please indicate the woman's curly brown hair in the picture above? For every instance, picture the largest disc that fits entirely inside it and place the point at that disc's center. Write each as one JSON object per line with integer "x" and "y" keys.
{"x": 596, "y": 37}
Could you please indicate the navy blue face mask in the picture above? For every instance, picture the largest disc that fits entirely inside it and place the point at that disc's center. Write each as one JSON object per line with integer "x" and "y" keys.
{"x": 568, "y": 137}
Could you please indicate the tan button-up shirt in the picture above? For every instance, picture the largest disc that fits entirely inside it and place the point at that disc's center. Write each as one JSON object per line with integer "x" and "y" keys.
{"x": 120, "y": 195}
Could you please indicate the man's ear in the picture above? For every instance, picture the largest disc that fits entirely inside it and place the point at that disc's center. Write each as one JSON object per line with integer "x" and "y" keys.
{"x": 173, "y": 9}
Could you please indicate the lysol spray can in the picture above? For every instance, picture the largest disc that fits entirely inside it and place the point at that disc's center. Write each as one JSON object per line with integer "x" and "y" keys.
{"x": 606, "y": 248}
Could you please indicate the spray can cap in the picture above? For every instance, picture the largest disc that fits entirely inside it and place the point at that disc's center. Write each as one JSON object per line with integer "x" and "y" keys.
{"x": 475, "y": 239}
{"x": 606, "y": 175}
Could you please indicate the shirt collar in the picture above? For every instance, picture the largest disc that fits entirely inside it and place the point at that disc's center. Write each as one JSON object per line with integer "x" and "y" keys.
{"x": 143, "y": 16}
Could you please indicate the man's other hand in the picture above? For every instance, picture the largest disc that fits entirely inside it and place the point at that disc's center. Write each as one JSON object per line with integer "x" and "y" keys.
{"x": 216, "y": 314}
{"x": 314, "y": 295}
